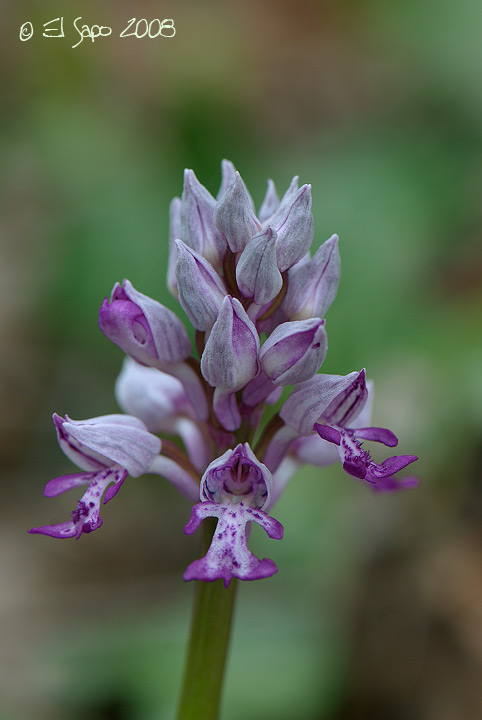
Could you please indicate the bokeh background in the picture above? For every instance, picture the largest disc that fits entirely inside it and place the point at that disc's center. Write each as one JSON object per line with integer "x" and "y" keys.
{"x": 376, "y": 610}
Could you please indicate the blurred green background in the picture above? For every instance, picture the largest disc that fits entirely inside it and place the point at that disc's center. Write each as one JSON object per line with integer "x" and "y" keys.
{"x": 376, "y": 610}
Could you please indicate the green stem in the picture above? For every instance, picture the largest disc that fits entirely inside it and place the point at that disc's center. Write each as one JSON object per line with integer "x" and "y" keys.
{"x": 208, "y": 645}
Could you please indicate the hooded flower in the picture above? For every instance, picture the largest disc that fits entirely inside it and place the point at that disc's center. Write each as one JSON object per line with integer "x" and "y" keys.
{"x": 108, "y": 448}
{"x": 235, "y": 488}
{"x": 328, "y": 404}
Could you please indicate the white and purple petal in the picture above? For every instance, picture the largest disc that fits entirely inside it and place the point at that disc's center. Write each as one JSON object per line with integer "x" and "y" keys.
{"x": 228, "y": 556}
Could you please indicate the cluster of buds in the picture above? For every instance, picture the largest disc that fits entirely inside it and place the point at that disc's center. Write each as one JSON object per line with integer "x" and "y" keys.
{"x": 257, "y": 301}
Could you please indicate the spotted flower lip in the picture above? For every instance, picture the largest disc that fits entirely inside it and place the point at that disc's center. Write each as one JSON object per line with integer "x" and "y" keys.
{"x": 86, "y": 516}
{"x": 235, "y": 488}
{"x": 358, "y": 462}
{"x": 109, "y": 448}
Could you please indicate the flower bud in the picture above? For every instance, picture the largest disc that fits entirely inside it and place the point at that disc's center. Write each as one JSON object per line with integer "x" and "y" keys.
{"x": 270, "y": 203}
{"x": 281, "y": 211}
{"x": 333, "y": 399}
{"x": 201, "y": 290}
{"x": 294, "y": 351}
{"x": 230, "y": 358}
{"x": 151, "y": 395}
{"x": 146, "y": 330}
{"x": 197, "y": 223}
{"x": 228, "y": 172}
{"x": 174, "y": 234}
{"x": 257, "y": 273}
{"x": 295, "y": 230}
{"x": 234, "y": 216}
{"x": 312, "y": 286}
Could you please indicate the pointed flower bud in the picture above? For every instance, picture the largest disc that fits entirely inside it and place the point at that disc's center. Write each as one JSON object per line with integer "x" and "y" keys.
{"x": 174, "y": 234}
{"x": 312, "y": 286}
{"x": 234, "y": 488}
{"x": 336, "y": 399}
{"x": 197, "y": 223}
{"x": 270, "y": 203}
{"x": 294, "y": 351}
{"x": 234, "y": 216}
{"x": 201, "y": 290}
{"x": 151, "y": 395}
{"x": 228, "y": 176}
{"x": 295, "y": 231}
{"x": 230, "y": 358}
{"x": 286, "y": 201}
{"x": 146, "y": 330}
{"x": 257, "y": 273}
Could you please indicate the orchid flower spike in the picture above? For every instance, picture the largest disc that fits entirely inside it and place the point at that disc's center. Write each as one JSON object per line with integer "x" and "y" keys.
{"x": 255, "y": 295}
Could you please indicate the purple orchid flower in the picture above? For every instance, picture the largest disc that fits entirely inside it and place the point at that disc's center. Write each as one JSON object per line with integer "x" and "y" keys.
{"x": 256, "y": 298}
{"x": 235, "y": 488}
{"x": 108, "y": 448}
{"x": 328, "y": 404}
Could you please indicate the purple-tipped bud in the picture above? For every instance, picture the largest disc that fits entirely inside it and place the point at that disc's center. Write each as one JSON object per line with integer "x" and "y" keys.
{"x": 107, "y": 441}
{"x": 295, "y": 230}
{"x": 294, "y": 351}
{"x": 312, "y": 286}
{"x": 230, "y": 358}
{"x": 257, "y": 272}
{"x": 201, "y": 290}
{"x": 146, "y": 330}
{"x": 333, "y": 399}
{"x": 174, "y": 234}
{"x": 270, "y": 203}
{"x": 197, "y": 222}
{"x": 234, "y": 216}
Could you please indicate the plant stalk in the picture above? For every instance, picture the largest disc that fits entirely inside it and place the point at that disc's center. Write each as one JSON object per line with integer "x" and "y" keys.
{"x": 208, "y": 644}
